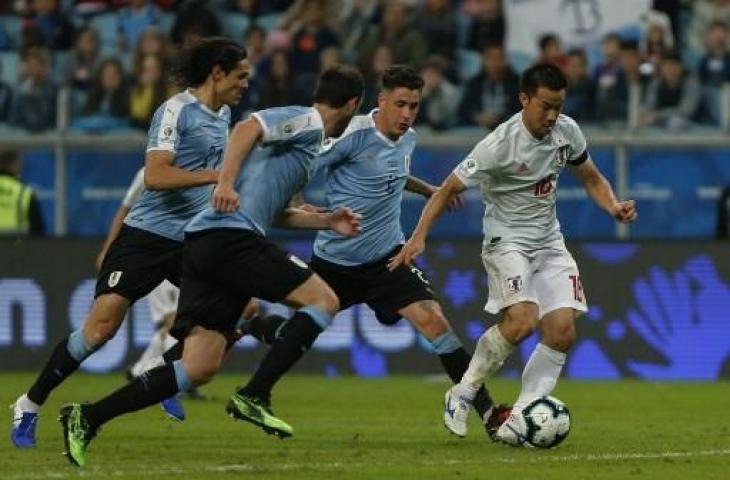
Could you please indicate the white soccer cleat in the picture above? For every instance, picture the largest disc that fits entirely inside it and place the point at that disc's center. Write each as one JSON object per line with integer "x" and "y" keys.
{"x": 512, "y": 431}
{"x": 456, "y": 412}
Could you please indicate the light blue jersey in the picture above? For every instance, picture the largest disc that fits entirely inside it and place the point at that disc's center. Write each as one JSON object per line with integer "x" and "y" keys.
{"x": 196, "y": 135}
{"x": 367, "y": 172}
{"x": 275, "y": 170}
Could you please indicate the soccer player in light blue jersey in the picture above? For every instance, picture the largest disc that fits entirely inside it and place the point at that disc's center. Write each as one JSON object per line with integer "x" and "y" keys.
{"x": 228, "y": 260}
{"x": 367, "y": 169}
{"x": 184, "y": 147}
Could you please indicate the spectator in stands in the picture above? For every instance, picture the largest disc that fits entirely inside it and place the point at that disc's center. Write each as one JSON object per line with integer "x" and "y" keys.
{"x": 487, "y": 23}
{"x": 355, "y": 19}
{"x": 439, "y": 98}
{"x": 152, "y": 42}
{"x": 490, "y": 97}
{"x": 580, "y": 99}
{"x": 80, "y": 67}
{"x": 34, "y": 101}
{"x": 436, "y": 20}
{"x": 305, "y": 85}
{"x": 195, "y": 19}
{"x": 48, "y": 27}
{"x": 278, "y": 87}
{"x": 148, "y": 92}
{"x": 382, "y": 59}
{"x": 551, "y": 51}
{"x": 310, "y": 38}
{"x": 704, "y": 12}
{"x": 20, "y": 211}
{"x": 107, "y": 105}
{"x": 250, "y": 8}
{"x": 6, "y": 99}
{"x": 132, "y": 20}
{"x": 609, "y": 90}
{"x": 657, "y": 36}
{"x": 89, "y": 8}
{"x": 394, "y": 31}
{"x": 714, "y": 70}
{"x": 634, "y": 70}
{"x": 673, "y": 97}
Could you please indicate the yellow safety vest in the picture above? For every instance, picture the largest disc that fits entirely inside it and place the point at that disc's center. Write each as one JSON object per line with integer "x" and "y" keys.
{"x": 14, "y": 206}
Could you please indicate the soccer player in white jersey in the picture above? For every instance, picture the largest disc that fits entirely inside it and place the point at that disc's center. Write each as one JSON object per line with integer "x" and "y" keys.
{"x": 533, "y": 279}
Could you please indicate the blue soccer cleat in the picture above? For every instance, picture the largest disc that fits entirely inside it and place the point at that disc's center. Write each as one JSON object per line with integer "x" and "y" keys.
{"x": 24, "y": 423}
{"x": 173, "y": 408}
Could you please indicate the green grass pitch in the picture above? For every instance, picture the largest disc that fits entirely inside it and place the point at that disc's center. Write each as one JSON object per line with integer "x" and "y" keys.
{"x": 349, "y": 428}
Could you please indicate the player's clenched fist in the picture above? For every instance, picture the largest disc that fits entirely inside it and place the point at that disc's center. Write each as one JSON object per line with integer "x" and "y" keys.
{"x": 225, "y": 199}
{"x": 625, "y": 212}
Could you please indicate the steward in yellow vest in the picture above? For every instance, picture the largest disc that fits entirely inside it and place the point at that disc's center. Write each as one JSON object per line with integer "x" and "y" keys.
{"x": 19, "y": 208}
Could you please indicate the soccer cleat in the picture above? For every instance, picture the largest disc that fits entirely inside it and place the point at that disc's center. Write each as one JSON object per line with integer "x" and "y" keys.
{"x": 77, "y": 434}
{"x": 456, "y": 412}
{"x": 498, "y": 415}
{"x": 23, "y": 433}
{"x": 511, "y": 432}
{"x": 173, "y": 408}
{"x": 258, "y": 412}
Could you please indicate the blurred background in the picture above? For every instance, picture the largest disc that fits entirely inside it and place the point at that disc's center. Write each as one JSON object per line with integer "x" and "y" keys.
{"x": 648, "y": 82}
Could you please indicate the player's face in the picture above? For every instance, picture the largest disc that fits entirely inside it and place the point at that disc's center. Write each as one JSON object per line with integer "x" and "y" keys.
{"x": 540, "y": 111}
{"x": 232, "y": 85}
{"x": 398, "y": 109}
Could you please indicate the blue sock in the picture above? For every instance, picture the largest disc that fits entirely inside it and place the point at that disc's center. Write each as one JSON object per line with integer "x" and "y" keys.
{"x": 181, "y": 376}
{"x": 446, "y": 343}
{"x": 77, "y": 346}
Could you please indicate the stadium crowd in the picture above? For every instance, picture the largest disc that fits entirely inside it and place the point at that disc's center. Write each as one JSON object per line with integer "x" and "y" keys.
{"x": 113, "y": 55}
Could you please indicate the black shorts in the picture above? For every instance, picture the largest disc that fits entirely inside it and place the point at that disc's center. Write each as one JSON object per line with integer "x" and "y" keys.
{"x": 138, "y": 261}
{"x": 223, "y": 269}
{"x": 384, "y": 291}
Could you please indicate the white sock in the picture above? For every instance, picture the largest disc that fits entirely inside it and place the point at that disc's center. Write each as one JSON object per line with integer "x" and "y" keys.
{"x": 157, "y": 346}
{"x": 540, "y": 374}
{"x": 26, "y": 404}
{"x": 491, "y": 352}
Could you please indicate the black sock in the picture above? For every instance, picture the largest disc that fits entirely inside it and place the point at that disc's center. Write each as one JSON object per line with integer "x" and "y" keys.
{"x": 264, "y": 329}
{"x": 59, "y": 367}
{"x": 455, "y": 363}
{"x": 174, "y": 353}
{"x": 293, "y": 341}
{"x": 147, "y": 389}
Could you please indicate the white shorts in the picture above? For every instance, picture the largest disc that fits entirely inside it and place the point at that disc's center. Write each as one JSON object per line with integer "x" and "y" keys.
{"x": 163, "y": 301}
{"x": 547, "y": 277}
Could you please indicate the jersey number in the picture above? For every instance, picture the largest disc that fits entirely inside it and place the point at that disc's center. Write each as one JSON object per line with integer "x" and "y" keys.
{"x": 545, "y": 186}
{"x": 577, "y": 287}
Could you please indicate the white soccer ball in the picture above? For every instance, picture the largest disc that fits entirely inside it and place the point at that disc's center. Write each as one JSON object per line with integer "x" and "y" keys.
{"x": 545, "y": 422}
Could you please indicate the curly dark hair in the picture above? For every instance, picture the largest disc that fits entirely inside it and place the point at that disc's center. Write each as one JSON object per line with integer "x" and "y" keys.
{"x": 197, "y": 59}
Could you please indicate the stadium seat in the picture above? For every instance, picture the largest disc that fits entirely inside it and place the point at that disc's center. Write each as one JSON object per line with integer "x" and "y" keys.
{"x": 166, "y": 21}
{"x": 468, "y": 63}
{"x": 463, "y": 22}
{"x": 235, "y": 25}
{"x": 269, "y": 21}
{"x": 106, "y": 25}
{"x": 11, "y": 25}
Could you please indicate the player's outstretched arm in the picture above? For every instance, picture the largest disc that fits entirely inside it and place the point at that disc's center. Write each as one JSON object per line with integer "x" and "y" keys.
{"x": 343, "y": 220}
{"x": 161, "y": 174}
{"x": 601, "y": 192}
{"x": 435, "y": 206}
{"x": 244, "y": 136}
{"x": 426, "y": 190}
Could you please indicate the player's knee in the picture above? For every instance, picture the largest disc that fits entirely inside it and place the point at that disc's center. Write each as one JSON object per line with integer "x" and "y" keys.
{"x": 328, "y": 301}
{"x": 433, "y": 324}
{"x": 515, "y": 328}
{"x": 560, "y": 337}
{"x": 201, "y": 373}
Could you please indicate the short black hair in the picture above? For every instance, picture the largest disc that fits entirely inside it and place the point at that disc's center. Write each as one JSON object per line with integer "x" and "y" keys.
{"x": 9, "y": 158}
{"x": 671, "y": 56}
{"x": 337, "y": 85}
{"x": 542, "y": 75}
{"x": 401, "y": 76}
{"x": 197, "y": 59}
{"x": 630, "y": 44}
{"x": 546, "y": 39}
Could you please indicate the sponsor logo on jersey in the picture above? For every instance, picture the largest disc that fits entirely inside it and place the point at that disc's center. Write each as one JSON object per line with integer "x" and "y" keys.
{"x": 297, "y": 261}
{"x": 114, "y": 278}
{"x": 561, "y": 156}
{"x": 514, "y": 284}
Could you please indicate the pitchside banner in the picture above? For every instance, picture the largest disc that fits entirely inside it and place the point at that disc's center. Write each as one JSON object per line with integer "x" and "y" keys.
{"x": 657, "y": 311}
{"x": 577, "y": 22}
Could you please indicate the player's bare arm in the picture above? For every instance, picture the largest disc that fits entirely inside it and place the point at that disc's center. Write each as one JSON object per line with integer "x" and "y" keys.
{"x": 436, "y": 205}
{"x": 425, "y": 189}
{"x": 601, "y": 192}
{"x": 343, "y": 220}
{"x": 242, "y": 140}
{"x": 161, "y": 174}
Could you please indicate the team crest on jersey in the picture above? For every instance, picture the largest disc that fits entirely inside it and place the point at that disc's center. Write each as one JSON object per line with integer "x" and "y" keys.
{"x": 561, "y": 156}
{"x": 514, "y": 284}
{"x": 114, "y": 278}
{"x": 468, "y": 166}
{"x": 288, "y": 128}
